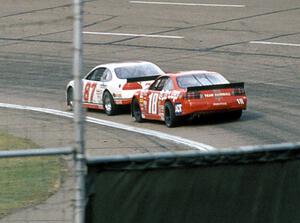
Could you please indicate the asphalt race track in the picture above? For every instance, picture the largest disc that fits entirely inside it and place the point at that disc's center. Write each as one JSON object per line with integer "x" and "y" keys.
{"x": 257, "y": 42}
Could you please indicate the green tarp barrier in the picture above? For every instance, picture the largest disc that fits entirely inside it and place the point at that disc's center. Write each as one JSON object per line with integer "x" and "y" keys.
{"x": 252, "y": 186}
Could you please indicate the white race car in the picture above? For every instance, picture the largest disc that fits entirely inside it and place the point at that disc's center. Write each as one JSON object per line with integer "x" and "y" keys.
{"x": 109, "y": 85}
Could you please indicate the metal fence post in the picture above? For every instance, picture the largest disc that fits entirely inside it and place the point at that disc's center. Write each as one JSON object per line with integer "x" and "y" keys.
{"x": 79, "y": 117}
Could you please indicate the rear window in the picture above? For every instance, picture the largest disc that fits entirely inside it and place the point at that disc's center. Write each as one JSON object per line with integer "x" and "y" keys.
{"x": 203, "y": 79}
{"x": 138, "y": 70}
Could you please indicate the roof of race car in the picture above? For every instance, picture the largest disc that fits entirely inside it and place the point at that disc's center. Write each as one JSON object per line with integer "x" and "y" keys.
{"x": 122, "y": 64}
{"x": 181, "y": 73}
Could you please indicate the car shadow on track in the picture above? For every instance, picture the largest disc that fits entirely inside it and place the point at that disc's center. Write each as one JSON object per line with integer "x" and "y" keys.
{"x": 212, "y": 119}
{"x": 220, "y": 118}
{"x": 202, "y": 120}
{"x": 123, "y": 110}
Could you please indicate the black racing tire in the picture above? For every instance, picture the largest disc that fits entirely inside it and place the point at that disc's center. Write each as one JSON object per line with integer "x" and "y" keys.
{"x": 70, "y": 98}
{"x": 136, "y": 111}
{"x": 170, "y": 118}
{"x": 109, "y": 105}
{"x": 235, "y": 115}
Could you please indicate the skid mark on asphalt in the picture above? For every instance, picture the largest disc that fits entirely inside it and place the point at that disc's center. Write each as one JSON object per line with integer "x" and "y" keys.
{"x": 36, "y": 10}
{"x": 161, "y": 135}
{"x": 199, "y": 50}
{"x": 214, "y": 23}
{"x": 41, "y": 10}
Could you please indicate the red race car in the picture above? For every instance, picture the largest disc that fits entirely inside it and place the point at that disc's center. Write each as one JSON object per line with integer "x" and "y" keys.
{"x": 173, "y": 96}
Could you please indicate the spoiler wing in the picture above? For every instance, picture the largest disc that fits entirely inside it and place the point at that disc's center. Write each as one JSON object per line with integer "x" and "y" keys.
{"x": 217, "y": 86}
{"x": 145, "y": 78}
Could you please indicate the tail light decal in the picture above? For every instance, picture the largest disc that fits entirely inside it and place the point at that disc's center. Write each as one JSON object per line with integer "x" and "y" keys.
{"x": 132, "y": 86}
{"x": 238, "y": 91}
{"x": 193, "y": 95}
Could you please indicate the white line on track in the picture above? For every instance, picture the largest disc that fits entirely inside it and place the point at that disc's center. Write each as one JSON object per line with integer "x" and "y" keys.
{"x": 275, "y": 43}
{"x": 186, "y": 4}
{"x": 134, "y": 35}
{"x": 161, "y": 135}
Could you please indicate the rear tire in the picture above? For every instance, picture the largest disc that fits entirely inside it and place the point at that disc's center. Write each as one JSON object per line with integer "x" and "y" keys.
{"x": 136, "y": 111}
{"x": 235, "y": 115}
{"x": 109, "y": 105}
{"x": 70, "y": 99}
{"x": 170, "y": 118}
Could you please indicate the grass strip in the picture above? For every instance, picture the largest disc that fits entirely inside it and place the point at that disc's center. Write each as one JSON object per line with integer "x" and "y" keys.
{"x": 26, "y": 181}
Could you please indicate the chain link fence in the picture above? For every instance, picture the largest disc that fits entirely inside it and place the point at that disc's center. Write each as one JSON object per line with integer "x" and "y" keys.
{"x": 36, "y": 63}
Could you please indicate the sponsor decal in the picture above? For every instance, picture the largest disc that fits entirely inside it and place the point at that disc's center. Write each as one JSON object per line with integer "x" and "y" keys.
{"x": 222, "y": 94}
{"x": 208, "y": 95}
{"x": 219, "y": 103}
{"x": 175, "y": 95}
{"x": 115, "y": 95}
{"x": 163, "y": 95}
{"x": 217, "y": 94}
{"x": 240, "y": 101}
{"x": 178, "y": 109}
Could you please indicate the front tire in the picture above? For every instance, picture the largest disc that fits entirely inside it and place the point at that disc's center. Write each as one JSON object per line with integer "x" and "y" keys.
{"x": 109, "y": 105}
{"x": 136, "y": 111}
{"x": 170, "y": 118}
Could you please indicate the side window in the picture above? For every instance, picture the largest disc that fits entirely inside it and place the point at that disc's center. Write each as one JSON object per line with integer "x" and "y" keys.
{"x": 99, "y": 74}
{"x": 91, "y": 76}
{"x": 168, "y": 85}
{"x": 158, "y": 84}
{"x": 107, "y": 76}
{"x": 154, "y": 85}
{"x": 96, "y": 74}
{"x": 161, "y": 84}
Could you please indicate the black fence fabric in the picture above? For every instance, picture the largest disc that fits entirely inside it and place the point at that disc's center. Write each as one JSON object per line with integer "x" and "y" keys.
{"x": 161, "y": 190}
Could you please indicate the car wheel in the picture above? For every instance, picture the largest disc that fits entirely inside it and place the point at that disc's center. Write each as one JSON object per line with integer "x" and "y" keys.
{"x": 109, "y": 105}
{"x": 136, "y": 111}
{"x": 170, "y": 118}
{"x": 236, "y": 114}
{"x": 70, "y": 99}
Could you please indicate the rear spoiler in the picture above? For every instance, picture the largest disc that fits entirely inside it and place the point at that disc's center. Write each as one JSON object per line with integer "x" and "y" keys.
{"x": 145, "y": 78}
{"x": 217, "y": 86}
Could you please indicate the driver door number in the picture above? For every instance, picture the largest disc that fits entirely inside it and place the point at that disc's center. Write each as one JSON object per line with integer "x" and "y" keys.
{"x": 153, "y": 101}
{"x": 89, "y": 91}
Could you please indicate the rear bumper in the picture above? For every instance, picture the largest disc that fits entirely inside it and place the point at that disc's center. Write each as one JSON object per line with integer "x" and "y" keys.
{"x": 124, "y": 97}
{"x": 123, "y": 101}
{"x": 209, "y": 106}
